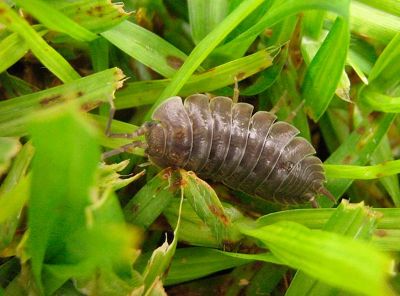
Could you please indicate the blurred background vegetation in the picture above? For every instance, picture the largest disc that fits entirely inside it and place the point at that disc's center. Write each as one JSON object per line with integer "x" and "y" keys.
{"x": 71, "y": 224}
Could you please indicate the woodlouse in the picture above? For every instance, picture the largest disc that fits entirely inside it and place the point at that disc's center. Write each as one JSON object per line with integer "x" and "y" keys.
{"x": 222, "y": 141}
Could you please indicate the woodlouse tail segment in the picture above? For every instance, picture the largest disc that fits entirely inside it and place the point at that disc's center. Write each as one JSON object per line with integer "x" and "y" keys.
{"x": 329, "y": 195}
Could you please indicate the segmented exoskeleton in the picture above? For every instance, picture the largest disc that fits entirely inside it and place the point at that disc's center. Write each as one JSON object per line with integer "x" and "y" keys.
{"x": 222, "y": 141}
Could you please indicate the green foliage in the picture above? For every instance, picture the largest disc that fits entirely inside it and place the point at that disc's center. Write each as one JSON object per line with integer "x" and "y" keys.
{"x": 74, "y": 224}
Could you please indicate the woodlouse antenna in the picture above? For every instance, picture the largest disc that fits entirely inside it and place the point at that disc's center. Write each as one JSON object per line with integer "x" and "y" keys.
{"x": 128, "y": 147}
{"x": 124, "y": 148}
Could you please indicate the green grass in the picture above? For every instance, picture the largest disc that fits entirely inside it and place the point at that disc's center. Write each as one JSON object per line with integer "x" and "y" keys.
{"x": 71, "y": 224}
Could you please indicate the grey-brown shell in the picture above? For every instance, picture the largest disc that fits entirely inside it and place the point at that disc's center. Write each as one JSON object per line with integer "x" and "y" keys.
{"x": 222, "y": 141}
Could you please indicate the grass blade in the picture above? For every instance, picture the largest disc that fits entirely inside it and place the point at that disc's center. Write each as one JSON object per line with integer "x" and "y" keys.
{"x": 146, "y": 92}
{"x": 48, "y": 226}
{"x": 363, "y": 172}
{"x": 146, "y": 47}
{"x": 205, "y": 15}
{"x": 55, "y": 20}
{"x": 348, "y": 264}
{"x": 89, "y": 92}
{"x": 320, "y": 82}
{"x": 204, "y": 48}
{"x": 145, "y": 207}
{"x": 352, "y": 220}
{"x": 45, "y": 53}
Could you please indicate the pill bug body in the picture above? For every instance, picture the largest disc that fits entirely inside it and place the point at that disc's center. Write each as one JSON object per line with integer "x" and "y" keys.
{"x": 223, "y": 141}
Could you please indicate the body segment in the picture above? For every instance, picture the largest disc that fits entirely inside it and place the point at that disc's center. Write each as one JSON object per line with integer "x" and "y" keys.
{"x": 223, "y": 141}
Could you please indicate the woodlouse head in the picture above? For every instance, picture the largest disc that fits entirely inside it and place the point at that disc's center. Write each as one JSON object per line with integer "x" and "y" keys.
{"x": 155, "y": 138}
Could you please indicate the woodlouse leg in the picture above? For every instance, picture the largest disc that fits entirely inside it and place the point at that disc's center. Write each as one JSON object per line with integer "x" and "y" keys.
{"x": 279, "y": 104}
{"x": 236, "y": 91}
{"x": 140, "y": 131}
{"x": 314, "y": 203}
{"x": 294, "y": 112}
{"x": 329, "y": 195}
{"x": 124, "y": 148}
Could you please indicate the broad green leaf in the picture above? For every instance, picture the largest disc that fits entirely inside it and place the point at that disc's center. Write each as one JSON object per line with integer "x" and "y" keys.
{"x": 146, "y": 47}
{"x": 352, "y": 220}
{"x": 348, "y": 264}
{"x": 58, "y": 200}
{"x": 101, "y": 250}
{"x": 194, "y": 230}
{"x": 89, "y": 92}
{"x": 206, "y": 204}
{"x": 45, "y": 53}
{"x": 324, "y": 72}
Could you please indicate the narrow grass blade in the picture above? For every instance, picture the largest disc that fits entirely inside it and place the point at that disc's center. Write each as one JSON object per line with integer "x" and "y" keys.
{"x": 361, "y": 144}
{"x": 11, "y": 204}
{"x": 55, "y": 20}
{"x": 15, "y": 86}
{"x": 391, "y": 183}
{"x": 146, "y": 92}
{"x": 376, "y": 101}
{"x": 320, "y": 82}
{"x": 363, "y": 172}
{"x": 369, "y": 21}
{"x": 49, "y": 225}
{"x": 348, "y": 264}
{"x": 205, "y": 15}
{"x": 9, "y": 147}
{"x": 95, "y": 15}
{"x": 358, "y": 148}
{"x": 160, "y": 261}
{"x": 146, "y": 47}
{"x": 281, "y": 10}
{"x": 196, "y": 262}
{"x": 89, "y": 92}
{"x": 352, "y": 220}
{"x": 12, "y": 48}
{"x": 14, "y": 192}
{"x": 384, "y": 238}
{"x": 204, "y": 48}
{"x": 385, "y": 69}
{"x": 145, "y": 207}
{"x": 45, "y": 53}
